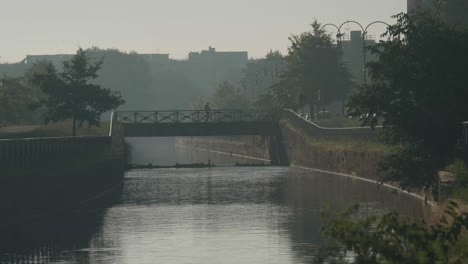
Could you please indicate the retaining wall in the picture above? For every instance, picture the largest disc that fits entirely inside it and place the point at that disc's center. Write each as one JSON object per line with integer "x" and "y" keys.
{"x": 305, "y": 150}
{"x": 254, "y": 146}
{"x": 42, "y": 152}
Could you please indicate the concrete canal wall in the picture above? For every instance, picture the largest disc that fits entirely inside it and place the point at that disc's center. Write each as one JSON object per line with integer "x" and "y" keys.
{"x": 345, "y": 150}
{"x": 356, "y": 158}
{"x": 35, "y": 153}
{"x": 354, "y": 151}
{"x": 253, "y": 146}
{"x": 43, "y": 174}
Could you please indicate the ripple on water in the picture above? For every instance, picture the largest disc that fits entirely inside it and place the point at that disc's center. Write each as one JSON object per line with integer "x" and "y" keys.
{"x": 223, "y": 215}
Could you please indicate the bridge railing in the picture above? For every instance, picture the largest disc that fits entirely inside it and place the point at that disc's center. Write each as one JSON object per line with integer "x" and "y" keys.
{"x": 346, "y": 133}
{"x": 193, "y": 116}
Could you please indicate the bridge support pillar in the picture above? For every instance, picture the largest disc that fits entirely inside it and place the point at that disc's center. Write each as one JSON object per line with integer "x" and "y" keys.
{"x": 277, "y": 150}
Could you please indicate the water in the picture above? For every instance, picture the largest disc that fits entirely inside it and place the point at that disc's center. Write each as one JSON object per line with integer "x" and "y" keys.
{"x": 223, "y": 215}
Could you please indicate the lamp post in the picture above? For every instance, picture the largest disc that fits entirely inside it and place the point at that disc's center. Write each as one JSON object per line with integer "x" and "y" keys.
{"x": 364, "y": 33}
{"x": 364, "y": 44}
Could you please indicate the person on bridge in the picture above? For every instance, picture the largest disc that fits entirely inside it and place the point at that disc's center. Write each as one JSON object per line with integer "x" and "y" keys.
{"x": 207, "y": 111}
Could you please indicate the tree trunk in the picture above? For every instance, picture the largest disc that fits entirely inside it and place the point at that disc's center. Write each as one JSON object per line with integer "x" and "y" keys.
{"x": 317, "y": 106}
{"x": 312, "y": 111}
{"x": 343, "y": 106}
{"x": 74, "y": 126}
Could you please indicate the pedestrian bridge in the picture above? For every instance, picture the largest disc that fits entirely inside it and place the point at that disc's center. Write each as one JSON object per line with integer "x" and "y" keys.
{"x": 178, "y": 123}
{"x": 191, "y": 123}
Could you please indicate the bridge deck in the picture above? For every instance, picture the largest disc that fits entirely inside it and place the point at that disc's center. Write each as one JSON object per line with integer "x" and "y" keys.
{"x": 197, "y": 123}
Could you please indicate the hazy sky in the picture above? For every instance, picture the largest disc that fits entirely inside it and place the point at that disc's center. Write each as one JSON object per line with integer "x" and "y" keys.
{"x": 172, "y": 26}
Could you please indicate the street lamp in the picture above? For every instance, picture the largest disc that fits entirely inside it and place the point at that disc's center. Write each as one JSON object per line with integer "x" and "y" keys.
{"x": 364, "y": 33}
{"x": 364, "y": 43}
{"x": 339, "y": 35}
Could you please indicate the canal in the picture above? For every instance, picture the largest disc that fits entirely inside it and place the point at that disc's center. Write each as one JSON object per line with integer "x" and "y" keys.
{"x": 223, "y": 215}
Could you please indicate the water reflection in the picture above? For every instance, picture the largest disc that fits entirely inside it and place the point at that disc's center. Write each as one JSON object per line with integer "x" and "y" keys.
{"x": 223, "y": 215}
{"x": 166, "y": 151}
{"x": 42, "y": 235}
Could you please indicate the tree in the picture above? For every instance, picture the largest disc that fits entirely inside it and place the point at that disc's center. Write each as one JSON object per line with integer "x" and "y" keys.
{"x": 70, "y": 93}
{"x": 262, "y": 73}
{"x": 15, "y": 100}
{"x": 418, "y": 90}
{"x": 226, "y": 96}
{"x": 313, "y": 74}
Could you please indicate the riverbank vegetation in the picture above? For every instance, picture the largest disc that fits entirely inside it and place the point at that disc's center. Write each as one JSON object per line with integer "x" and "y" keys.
{"x": 458, "y": 189}
{"x": 391, "y": 238}
{"x": 418, "y": 90}
{"x": 62, "y": 128}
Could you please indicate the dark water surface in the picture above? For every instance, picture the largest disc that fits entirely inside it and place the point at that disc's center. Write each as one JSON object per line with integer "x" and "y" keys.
{"x": 223, "y": 215}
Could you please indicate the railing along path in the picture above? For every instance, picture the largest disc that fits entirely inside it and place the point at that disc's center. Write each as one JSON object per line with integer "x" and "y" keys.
{"x": 337, "y": 133}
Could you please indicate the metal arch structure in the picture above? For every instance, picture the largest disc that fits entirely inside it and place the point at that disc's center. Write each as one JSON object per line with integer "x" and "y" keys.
{"x": 364, "y": 45}
{"x": 375, "y": 22}
{"x": 333, "y": 25}
{"x": 338, "y": 37}
{"x": 351, "y": 21}
{"x": 364, "y": 33}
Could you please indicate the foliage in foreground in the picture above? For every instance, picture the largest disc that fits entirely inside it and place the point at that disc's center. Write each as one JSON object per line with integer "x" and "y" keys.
{"x": 393, "y": 239}
{"x": 419, "y": 91}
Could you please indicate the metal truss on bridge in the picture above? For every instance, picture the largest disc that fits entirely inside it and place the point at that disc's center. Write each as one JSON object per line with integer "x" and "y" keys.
{"x": 193, "y": 116}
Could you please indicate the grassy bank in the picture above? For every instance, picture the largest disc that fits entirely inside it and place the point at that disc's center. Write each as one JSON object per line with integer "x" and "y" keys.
{"x": 345, "y": 156}
{"x": 357, "y": 145}
{"x": 457, "y": 187}
{"x": 59, "y": 129}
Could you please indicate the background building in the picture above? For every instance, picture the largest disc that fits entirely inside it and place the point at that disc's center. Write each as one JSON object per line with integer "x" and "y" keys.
{"x": 154, "y": 81}
{"x": 353, "y": 55}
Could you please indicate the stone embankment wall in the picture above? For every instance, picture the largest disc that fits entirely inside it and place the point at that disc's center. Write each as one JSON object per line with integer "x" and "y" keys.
{"x": 359, "y": 158}
{"x": 254, "y": 146}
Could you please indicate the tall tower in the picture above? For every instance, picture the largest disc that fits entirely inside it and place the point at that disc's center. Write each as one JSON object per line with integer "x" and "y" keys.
{"x": 414, "y": 5}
